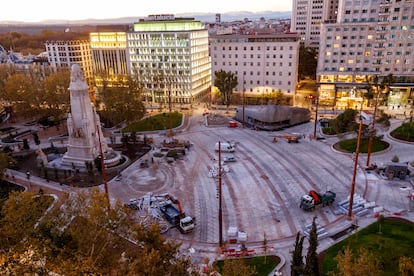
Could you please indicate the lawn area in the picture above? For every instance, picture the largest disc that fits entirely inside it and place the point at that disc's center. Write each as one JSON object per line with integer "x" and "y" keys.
{"x": 162, "y": 121}
{"x": 395, "y": 240}
{"x": 262, "y": 268}
{"x": 350, "y": 145}
{"x": 404, "y": 132}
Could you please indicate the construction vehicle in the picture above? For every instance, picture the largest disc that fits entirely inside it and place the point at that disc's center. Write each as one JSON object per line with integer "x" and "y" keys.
{"x": 314, "y": 199}
{"x": 289, "y": 138}
{"x": 176, "y": 217}
{"x": 175, "y": 143}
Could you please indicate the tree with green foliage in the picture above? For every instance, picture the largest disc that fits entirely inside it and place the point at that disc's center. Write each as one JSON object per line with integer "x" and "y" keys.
{"x": 121, "y": 102}
{"x": 56, "y": 95}
{"x": 84, "y": 237}
{"x": 406, "y": 266}
{"x": 5, "y": 160}
{"x": 312, "y": 267}
{"x": 35, "y": 43}
{"x": 308, "y": 61}
{"x": 225, "y": 82}
{"x": 345, "y": 121}
{"x": 237, "y": 267}
{"x": 364, "y": 263}
{"x": 297, "y": 265}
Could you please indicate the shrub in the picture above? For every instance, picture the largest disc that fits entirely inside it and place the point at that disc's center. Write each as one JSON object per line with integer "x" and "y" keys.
{"x": 328, "y": 131}
{"x": 172, "y": 153}
{"x": 395, "y": 159}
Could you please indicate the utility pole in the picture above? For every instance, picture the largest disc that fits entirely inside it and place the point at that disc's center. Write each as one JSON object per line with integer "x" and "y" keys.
{"x": 351, "y": 197}
{"x": 372, "y": 131}
{"x": 316, "y": 113}
{"x": 219, "y": 196}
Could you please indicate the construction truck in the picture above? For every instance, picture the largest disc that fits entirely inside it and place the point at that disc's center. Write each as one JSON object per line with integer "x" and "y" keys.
{"x": 176, "y": 217}
{"x": 314, "y": 199}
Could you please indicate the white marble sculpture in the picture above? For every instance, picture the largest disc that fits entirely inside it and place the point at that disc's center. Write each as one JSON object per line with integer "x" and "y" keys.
{"x": 83, "y": 124}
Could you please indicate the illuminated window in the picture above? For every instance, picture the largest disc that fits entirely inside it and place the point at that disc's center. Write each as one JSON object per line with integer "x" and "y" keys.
{"x": 328, "y": 54}
{"x": 370, "y": 37}
{"x": 350, "y": 61}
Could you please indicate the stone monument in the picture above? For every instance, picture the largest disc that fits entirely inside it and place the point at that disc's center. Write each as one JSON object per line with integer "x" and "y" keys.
{"x": 84, "y": 126}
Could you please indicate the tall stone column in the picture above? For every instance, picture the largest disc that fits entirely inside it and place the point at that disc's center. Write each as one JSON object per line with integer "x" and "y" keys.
{"x": 83, "y": 124}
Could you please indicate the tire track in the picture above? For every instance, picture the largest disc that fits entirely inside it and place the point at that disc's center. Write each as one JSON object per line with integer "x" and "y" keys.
{"x": 289, "y": 165}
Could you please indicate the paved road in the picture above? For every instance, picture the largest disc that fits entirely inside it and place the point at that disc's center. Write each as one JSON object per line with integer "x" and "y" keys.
{"x": 262, "y": 189}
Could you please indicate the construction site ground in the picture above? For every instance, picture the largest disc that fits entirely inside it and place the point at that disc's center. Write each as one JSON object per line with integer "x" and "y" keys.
{"x": 262, "y": 188}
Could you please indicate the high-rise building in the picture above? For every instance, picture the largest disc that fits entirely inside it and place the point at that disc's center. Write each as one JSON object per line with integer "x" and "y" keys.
{"x": 371, "y": 38}
{"x": 263, "y": 64}
{"x": 169, "y": 57}
{"x": 65, "y": 53}
{"x": 108, "y": 50}
{"x": 307, "y": 17}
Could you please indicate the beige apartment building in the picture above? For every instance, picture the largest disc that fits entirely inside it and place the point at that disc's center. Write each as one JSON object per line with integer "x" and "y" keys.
{"x": 371, "y": 38}
{"x": 263, "y": 64}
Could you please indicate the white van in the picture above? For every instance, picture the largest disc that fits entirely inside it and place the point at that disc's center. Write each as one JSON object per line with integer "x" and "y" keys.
{"x": 224, "y": 147}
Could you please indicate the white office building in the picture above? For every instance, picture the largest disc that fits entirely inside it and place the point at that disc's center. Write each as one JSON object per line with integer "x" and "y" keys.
{"x": 263, "y": 64}
{"x": 371, "y": 38}
{"x": 169, "y": 57}
{"x": 65, "y": 53}
{"x": 108, "y": 50}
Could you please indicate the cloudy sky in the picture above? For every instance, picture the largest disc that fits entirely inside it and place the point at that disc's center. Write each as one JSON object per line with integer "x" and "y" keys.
{"x": 38, "y": 10}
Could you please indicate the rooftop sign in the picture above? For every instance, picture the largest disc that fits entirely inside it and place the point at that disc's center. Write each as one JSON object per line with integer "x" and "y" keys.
{"x": 160, "y": 17}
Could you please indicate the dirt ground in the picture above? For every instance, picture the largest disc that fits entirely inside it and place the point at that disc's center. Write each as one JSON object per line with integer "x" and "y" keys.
{"x": 214, "y": 119}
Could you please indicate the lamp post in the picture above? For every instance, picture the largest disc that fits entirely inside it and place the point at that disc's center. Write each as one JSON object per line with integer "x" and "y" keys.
{"x": 219, "y": 196}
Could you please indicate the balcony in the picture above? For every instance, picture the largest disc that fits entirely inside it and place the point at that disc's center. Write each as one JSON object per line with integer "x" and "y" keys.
{"x": 385, "y": 3}
{"x": 378, "y": 48}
